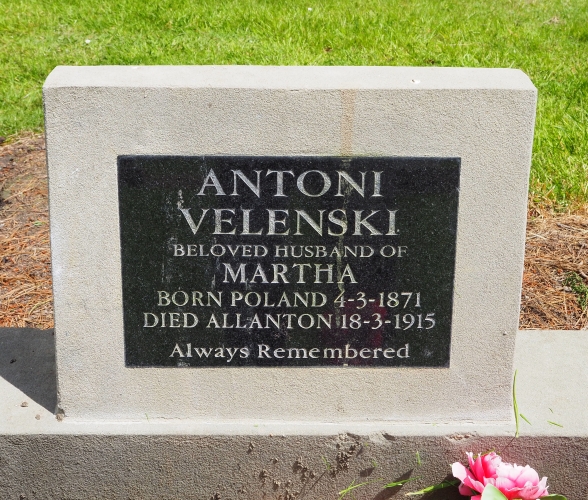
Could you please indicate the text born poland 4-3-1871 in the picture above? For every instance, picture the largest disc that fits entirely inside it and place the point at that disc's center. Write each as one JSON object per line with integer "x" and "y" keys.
{"x": 287, "y": 261}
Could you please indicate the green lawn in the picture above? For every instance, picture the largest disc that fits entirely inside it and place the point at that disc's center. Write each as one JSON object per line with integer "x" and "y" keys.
{"x": 548, "y": 39}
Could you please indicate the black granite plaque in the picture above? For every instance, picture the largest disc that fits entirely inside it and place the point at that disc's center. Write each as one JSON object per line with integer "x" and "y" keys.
{"x": 287, "y": 261}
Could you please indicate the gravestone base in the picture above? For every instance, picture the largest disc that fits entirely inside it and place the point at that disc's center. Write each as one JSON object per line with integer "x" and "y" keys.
{"x": 196, "y": 467}
{"x": 178, "y": 458}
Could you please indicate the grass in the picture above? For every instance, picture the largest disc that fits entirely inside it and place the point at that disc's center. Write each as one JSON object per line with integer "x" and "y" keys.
{"x": 548, "y": 39}
{"x": 576, "y": 283}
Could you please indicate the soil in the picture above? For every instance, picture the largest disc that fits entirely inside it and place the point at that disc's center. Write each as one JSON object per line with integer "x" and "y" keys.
{"x": 556, "y": 245}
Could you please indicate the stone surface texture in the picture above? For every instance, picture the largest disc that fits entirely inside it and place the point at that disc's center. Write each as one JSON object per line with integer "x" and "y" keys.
{"x": 93, "y": 114}
{"x": 43, "y": 457}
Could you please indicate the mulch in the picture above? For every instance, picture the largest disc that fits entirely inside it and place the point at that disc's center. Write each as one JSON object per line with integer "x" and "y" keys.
{"x": 556, "y": 245}
{"x": 25, "y": 258}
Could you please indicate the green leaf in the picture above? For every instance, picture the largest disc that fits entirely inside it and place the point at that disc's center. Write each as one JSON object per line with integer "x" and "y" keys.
{"x": 514, "y": 403}
{"x": 554, "y": 423}
{"x": 554, "y": 496}
{"x": 492, "y": 493}
{"x": 351, "y": 487}
{"x": 400, "y": 483}
{"x": 435, "y": 487}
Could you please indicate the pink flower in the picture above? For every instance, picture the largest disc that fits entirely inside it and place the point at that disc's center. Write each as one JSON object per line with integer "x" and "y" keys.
{"x": 518, "y": 482}
{"x": 514, "y": 481}
{"x": 482, "y": 470}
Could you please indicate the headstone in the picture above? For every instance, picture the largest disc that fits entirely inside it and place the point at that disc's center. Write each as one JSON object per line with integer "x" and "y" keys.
{"x": 304, "y": 244}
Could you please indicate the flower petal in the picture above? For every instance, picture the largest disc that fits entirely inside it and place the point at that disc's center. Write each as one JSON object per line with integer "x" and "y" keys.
{"x": 478, "y": 469}
{"x": 491, "y": 461}
{"x": 459, "y": 471}
{"x": 465, "y": 490}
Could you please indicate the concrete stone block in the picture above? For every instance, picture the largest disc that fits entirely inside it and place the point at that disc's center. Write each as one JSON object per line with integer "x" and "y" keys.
{"x": 484, "y": 117}
{"x": 171, "y": 458}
